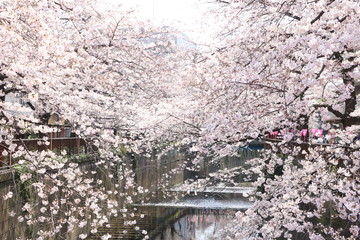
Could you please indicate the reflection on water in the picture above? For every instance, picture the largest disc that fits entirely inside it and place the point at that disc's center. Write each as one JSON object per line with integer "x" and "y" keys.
{"x": 164, "y": 223}
{"x": 199, "y": 215}
{"x": 197, "y": 225}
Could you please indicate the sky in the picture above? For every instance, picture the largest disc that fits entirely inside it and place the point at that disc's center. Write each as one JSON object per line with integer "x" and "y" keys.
{"x": 184, "y": 15}
{"x": 161, "y": 12}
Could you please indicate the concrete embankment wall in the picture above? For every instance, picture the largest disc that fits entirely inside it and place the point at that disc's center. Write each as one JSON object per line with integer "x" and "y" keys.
{"x": 157, "y": 174}
{"x": 210, "y": 165}
{"x": 149, "y": 172}
{"x": 10, "y": 228}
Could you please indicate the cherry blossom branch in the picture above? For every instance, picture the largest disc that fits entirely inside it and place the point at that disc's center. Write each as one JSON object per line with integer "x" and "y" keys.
{"x": 187, "y": 123}
{"x": 317, "y": 17}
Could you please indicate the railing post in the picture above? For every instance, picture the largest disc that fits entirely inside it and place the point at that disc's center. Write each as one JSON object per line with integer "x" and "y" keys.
{"x": 78, "y": 145}
{"x": 51, "y": 143}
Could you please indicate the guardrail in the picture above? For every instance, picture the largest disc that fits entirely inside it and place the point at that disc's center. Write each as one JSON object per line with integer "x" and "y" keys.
{"x": 71, "y": 145}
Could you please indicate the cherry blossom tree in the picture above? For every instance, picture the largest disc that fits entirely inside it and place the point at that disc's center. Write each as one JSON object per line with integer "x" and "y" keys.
{"x": 99, "y": 69}
{"x": 278, "y": 67}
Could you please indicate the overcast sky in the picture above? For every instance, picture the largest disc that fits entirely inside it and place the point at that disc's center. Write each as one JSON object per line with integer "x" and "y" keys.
{"x": 165, "y": 11}
{"x": 184, "y": 15}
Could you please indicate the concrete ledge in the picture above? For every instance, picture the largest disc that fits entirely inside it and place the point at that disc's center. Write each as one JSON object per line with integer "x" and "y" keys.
{"x": 5, "y": 175}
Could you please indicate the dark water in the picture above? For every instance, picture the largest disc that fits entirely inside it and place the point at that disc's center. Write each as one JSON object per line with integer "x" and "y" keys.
{"x": 163, "y": 223}
{"x": 197, "y": 216}
{"x": 197, "y": 225}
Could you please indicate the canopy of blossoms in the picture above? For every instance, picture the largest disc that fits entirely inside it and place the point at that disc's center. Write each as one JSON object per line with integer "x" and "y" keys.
{"x": 280, "y": 68}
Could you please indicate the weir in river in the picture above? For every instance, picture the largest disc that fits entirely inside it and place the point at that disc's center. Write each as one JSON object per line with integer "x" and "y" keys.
{"x": 177, "y": 214}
